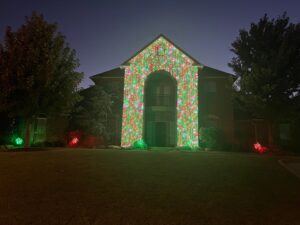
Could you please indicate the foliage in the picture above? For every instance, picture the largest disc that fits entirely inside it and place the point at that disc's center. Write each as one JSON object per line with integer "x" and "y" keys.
{"x": 212, "y": 138}
{"x": 91, "y": 114}
{"x": 140, "y": 144}
{"x": 186, "y": 148}
{"x": 267, "y": 62}
{"x": 37, "y": 70}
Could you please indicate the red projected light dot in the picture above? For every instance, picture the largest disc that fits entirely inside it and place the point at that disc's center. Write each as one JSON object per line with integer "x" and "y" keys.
{"x": 259, "y": 148}
{"x": 74, "y": 141}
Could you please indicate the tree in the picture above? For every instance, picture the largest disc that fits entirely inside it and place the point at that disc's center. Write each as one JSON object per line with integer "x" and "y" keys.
{"x": 267, "y": 62}
{"x": 37, "y": 71}
{"x": 92, "y": 114}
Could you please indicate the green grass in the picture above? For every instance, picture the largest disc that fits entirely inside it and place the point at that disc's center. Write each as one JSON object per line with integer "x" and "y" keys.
{"x": 113, "y": 187}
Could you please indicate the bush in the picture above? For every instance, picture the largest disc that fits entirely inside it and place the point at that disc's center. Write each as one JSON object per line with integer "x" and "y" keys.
{"x": 140, "y": 144}
{"x": 212, "y": 138}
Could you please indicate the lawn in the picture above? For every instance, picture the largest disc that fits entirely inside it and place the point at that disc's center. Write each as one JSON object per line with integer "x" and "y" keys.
{"x": 114, "y": 187}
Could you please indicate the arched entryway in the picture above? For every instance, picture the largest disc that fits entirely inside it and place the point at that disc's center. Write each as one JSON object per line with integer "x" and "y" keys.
{"x": 160, "y": 109}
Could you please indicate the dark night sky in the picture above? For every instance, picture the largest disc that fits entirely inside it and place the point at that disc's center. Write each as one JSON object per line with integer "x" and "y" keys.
{"x": 106, "y": 33}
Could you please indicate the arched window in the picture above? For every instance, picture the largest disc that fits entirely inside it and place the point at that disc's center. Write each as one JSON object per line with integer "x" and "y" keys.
{"x": 160, "y": 90}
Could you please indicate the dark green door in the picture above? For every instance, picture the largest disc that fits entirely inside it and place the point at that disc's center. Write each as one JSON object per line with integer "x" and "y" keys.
{"x": 160, "y": 134}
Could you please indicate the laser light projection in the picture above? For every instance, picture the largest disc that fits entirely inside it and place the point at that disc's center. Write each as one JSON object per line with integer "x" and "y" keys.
{"x": 161, "y": 55}
{"x": 18, "y": 141}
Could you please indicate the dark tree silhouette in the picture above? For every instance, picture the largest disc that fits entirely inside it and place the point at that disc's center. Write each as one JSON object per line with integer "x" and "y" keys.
{"x": 92, "y": 114}
{"x": 267, "y": 62}
{"x": 37, "y": 71}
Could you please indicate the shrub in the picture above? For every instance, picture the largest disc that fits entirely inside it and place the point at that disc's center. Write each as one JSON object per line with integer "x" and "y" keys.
{"x": 212, "y": 138}
{"x": 140, "y": 144}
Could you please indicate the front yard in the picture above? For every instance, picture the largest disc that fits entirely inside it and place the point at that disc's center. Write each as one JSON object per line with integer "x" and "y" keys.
{"x": 114, "y": 187}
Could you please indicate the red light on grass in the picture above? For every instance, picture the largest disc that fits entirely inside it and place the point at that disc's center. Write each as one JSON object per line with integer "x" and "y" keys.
{"x": 74, "y": 141}
{"x": 259, "y": 148}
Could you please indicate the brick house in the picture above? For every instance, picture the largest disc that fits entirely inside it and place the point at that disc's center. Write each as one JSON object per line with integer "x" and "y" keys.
{"x": 167, "y": 96}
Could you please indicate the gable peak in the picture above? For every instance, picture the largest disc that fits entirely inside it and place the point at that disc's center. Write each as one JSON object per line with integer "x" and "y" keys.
{"x": 162, "y": 37}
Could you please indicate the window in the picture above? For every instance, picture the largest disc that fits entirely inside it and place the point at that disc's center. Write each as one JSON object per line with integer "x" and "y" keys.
{"x": 160, "y": 90}
{"x": 284, "y": 131}
{"x": 210, "y": 87}
{"x": 163, "y": 95}
{"x": 212, "y": 121}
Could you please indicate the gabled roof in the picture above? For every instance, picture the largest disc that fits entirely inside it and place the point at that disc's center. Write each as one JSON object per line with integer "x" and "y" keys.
{"x": 117, "y": 73}
{"x": 207, "y": 71}
{"x": 168, "y": 40}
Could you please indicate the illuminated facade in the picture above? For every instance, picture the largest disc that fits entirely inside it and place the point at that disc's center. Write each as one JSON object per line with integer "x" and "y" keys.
{"x": 163, "y": 98}
{"x": 161, "y": 55}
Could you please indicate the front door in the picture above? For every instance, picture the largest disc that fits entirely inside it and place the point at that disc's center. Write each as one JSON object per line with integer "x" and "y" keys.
{"x": 160, "y": 134}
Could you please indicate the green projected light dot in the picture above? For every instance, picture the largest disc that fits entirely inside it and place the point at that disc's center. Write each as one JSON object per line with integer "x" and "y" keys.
{"x": 140, "y": 144}
{"x": 19, "y": 141}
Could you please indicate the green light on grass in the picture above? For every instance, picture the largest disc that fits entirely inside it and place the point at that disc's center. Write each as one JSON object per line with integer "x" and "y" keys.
{"x": 18, "y": 141}
{"x": 140, "y": 144}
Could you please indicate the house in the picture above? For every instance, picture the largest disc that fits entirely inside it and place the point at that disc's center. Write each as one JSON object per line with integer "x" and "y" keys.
{"x": 167, "y": 96}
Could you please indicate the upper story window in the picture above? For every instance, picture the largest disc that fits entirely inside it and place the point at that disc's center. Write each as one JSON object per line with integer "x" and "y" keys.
{"x": 210, "y": 87}
{"x": 163, "y": 95}
{"x": 284, "y": 131}
{"x": 163, "y": 89}
{"x": 212, "y": 121}
{"x": 160, "y": 90}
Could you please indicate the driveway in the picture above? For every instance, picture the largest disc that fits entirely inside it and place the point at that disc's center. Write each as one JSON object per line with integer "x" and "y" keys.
{"x": 292, "y": 165}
